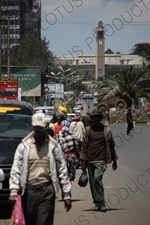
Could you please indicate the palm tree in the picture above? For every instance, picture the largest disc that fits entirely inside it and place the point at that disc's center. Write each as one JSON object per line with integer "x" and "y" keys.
{"x": 131, "y": 83}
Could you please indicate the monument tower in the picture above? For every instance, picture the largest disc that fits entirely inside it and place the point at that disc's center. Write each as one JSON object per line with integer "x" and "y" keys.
{"x": 100, "y": 51}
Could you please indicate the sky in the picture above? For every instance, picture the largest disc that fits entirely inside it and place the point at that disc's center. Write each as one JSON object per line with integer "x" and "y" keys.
{"x": 69, "y": 24}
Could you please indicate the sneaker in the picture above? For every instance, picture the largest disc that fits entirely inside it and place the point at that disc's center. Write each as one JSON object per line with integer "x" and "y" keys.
{"x": 95, "y": 208}
{"x": 102, "y": 207}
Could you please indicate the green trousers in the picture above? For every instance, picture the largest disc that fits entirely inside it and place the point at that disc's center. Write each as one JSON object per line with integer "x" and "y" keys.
{"x": 96, "y": 171}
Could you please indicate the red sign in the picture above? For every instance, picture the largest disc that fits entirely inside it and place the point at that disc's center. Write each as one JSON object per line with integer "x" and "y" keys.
{"x": 9, "y": 88}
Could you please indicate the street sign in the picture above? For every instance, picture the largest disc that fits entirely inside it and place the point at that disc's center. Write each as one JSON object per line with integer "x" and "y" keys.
{"x": 29, "y": 79}
{"x": 9, "y": 88}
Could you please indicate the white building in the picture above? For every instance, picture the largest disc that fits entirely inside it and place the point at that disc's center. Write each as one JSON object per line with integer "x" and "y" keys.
{"x": 87, "y": 63}
{"x": 90, "y": 59}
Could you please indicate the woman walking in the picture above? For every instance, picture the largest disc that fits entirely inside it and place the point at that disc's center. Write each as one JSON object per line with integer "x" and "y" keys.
{"x": 70, "y": 148}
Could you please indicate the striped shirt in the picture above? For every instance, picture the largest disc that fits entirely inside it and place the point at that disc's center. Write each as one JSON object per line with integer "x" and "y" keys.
{"x": 38, "y": 163}
{"x": 67, "y": 141}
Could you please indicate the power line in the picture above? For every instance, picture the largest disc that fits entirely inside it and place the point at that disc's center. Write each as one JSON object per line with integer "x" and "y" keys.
{"x": 85, "y": 23}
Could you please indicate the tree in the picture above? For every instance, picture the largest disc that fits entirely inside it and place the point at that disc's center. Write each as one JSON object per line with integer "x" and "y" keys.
{"x": 143, "y": 50}
{"x": 109, "y": 51}
{"x": 32, "y": 52}
{"x": 131, "y": 83}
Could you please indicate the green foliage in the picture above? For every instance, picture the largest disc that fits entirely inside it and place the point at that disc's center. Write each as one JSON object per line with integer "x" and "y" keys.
{"x": 131, "y": 83}
{"x": 32, "y": 52}
{"x": 143, "y": 50}
{"x": 70, "y": 105}
{"x": 27, "y": 99}
{"x": 143, "y": 119}
{"x": 109, "y": 51}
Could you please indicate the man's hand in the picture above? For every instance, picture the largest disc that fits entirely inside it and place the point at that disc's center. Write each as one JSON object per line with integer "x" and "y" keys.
{"x": 12, "y": 199}
{"x": 68, "y": 204}
{"x": 114, "y": 165}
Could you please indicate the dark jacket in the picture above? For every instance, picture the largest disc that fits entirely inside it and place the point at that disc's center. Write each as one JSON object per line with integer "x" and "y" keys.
{"x": 87, "y": 121}
{"x": 110, "y": 145}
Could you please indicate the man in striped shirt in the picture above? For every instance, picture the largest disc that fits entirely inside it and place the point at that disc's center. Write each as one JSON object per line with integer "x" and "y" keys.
{"x": 38, "y": 169}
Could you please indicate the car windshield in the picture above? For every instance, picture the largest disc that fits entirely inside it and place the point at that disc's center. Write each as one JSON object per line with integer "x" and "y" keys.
{"x": 14, "y": 125}
{"x": 69, "y": 118}
{"x": 49, "y": 112}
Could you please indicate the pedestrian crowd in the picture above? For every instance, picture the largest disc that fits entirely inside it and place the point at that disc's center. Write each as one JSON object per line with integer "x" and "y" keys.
{"x": 47, "y": 159}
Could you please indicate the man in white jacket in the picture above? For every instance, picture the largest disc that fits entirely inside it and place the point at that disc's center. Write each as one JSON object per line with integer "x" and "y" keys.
{"x": 39, "y": 168}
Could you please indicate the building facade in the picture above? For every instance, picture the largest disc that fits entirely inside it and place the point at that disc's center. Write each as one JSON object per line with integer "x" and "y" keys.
{"x": 87, "y": 63}
{"x": 24, "y": 17}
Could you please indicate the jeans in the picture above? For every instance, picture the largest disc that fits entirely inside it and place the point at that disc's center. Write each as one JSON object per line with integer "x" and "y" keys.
{"x": 96, "y": 171}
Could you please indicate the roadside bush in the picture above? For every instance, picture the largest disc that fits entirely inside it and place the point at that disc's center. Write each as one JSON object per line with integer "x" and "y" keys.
{"x": 70, "y": 105}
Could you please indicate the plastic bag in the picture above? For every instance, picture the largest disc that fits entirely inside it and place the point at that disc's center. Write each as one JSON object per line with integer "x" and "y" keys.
{"x": 17, "y": 217}
{"x": 83, "y": 179}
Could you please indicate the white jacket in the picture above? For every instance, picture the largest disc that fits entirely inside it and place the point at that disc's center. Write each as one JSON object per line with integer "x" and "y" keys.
{"x": 58, "y": 168}
{"x": 77, "y": 129}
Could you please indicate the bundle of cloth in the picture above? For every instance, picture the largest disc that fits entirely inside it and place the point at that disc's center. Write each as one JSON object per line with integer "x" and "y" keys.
{"x": 61, "y": 111}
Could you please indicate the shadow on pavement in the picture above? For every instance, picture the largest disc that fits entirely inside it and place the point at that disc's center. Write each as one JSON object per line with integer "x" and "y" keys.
{"x": 5, "y": 211}
{"x": 110, "y": 209}
{"x": 72, "y": 200}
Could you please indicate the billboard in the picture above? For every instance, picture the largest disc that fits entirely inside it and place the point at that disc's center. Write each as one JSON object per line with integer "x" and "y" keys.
{"x": 9, "y": 88}
{"x": 55, "y": 90}
{"x": 29, "y": 79}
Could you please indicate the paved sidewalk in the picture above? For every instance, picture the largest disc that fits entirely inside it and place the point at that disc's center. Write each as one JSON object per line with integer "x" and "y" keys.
{"x": 81, "y": 200}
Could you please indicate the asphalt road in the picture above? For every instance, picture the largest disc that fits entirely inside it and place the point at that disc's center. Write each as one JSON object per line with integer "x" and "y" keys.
{"x": 88, "y": 105}
{"x": 127, "y": 190}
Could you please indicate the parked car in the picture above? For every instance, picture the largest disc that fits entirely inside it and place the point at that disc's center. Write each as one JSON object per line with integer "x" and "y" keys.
{"x": 95, "y": 102}
{"x": 15, "y": 124}
{"x": 79, "y": 105}
{"x": 87, "y": 96}
{"x": 95, "y": 94}
{"x": 49, "y": 111}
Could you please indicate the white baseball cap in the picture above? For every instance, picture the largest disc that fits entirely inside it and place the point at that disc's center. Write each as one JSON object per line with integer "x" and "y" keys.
{"x": 39, "y": 119}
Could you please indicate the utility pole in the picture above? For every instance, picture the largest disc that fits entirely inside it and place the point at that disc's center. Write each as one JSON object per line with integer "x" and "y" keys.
{"x": 8, "y": 48}
{"x": 0, "y": 42}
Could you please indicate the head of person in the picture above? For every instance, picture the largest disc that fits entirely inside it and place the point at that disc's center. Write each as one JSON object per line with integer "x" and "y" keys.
{"x": 129, "y": 108}
{"x": 59, "y": 119}
{"x": 60, "y": 116}
{"x": 65, "y": 125}
{"x": 97, "y": 116}
{"x": 76, "y": 118}
{"x": 39, "y": 126}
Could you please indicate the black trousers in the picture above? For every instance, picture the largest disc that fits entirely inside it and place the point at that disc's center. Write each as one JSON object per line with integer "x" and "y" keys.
{"x": 39, "y": 204}
{"x": 129, "y": 127}
{"x": 80, "y": 144}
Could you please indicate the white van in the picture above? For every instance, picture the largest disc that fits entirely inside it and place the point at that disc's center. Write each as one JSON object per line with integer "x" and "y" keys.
{"x": 49, "y": 111}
